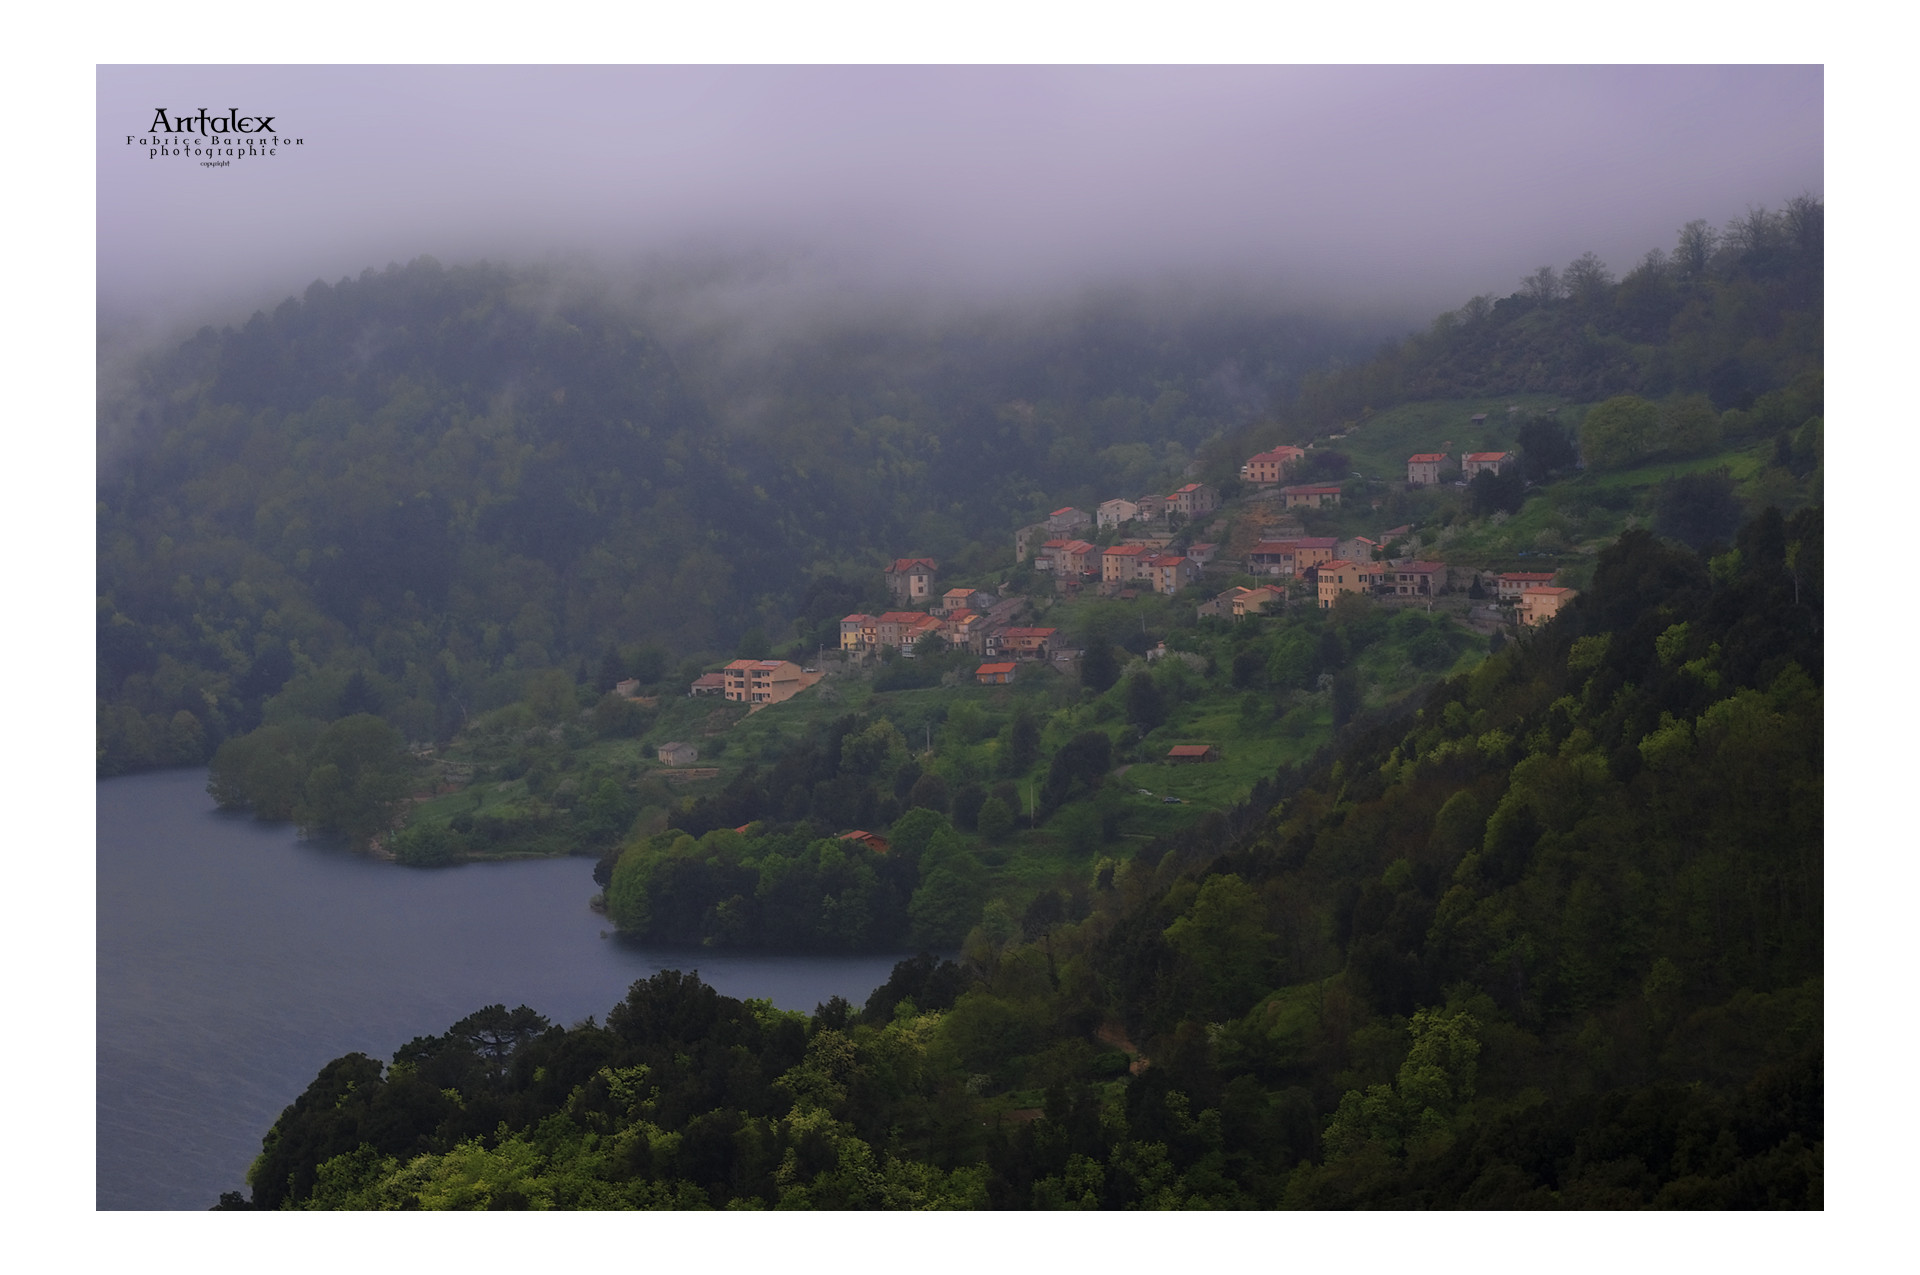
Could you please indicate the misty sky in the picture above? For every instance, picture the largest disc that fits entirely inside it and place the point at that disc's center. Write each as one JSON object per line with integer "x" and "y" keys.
{"x": 1406, "y": 189}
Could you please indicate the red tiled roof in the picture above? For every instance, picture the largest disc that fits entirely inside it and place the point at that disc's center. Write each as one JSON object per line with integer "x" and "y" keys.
{"x": 986, "y": 669}
{"x": 856, "y": 618}
{"x": 1317, "y": 542}
{"x": 1423, "y": 567}
{"x": 903, "y": 565}
{"x": 1424, "y": 457}
{"x": 902, "y": 617}
{"x": 1310, "y": 491}
{"x": 1190, "y": 750}
{"x": 1485, "y": 456}
{"x": 1064, "y": 509}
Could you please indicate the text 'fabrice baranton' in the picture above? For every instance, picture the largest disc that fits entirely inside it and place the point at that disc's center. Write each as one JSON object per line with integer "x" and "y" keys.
{"x": 204, "y": 136}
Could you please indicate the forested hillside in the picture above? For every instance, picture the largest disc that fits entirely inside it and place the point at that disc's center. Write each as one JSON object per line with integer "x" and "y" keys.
{"x": 1736, "y": 314}
{"x": 446, "y": 480}
{"x": 1553, "y": 938}
{"x": 1455, "y": 914}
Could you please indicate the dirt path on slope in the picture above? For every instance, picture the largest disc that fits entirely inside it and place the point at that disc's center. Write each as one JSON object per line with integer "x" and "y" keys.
{"x": 1112, "y": 1033}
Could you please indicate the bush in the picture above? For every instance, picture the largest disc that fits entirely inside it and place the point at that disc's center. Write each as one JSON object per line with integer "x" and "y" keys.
{"x": 995, "y": 819}
{"x": 426, "y": 845}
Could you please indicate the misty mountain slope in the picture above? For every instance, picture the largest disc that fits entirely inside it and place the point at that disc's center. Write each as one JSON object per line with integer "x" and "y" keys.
{"x": 1734, "y": 313}
{"x": 446, "y": 478}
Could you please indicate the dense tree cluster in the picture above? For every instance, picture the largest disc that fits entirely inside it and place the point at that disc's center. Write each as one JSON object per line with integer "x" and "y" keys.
{"x": 349, "y": 777}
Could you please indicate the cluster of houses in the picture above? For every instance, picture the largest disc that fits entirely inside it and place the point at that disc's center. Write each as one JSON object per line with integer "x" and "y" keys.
{"x": 1139, "y": 562}
{"x": 1270, "y": 469}
{"x": 981, "y": 622}
{"x": 966, "y": 619}
{"x": 1423, "y": 469}
{"x": 1335, "y": 567}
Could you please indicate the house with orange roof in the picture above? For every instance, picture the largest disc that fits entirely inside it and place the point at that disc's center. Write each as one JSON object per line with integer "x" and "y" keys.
{"x": 965, "y": 629}
{"x": 901, "y": 629}
{"x": 1483, "y": 463}
{"x": 871, "y": 840}
{"x": 1068, "y": 519}
{"x": 1021, "y": 643}
{"x": 911, "y": 579}
{"x": 1271, "y": 558}
{"x": 1124, "y": 563}
{"x": 1076, "y": 558}
{"x": 1173, "y": 572}
{"x": 1310, "y": 551}
{"x": 1514, "y": 583}
{"x": 1542, "y": 603}
{"x": 994, "y": 674}
{"x": 1416, "y": 579}
{"x": 1193, "y": 499}
{"x": 1423, "y": 470}
{"x": 1311, "y": 496}
{"x": 708, "y": 684}
{"x": 859, "y": 632}
{"x": 963, "y": 600}
{"x": 1192, "y": 753}
{"x": 1269, "y": 467}
{"x": 1356, "y": 549}
{"x": 1339, "y": 576}
{"x": 1245, "y": 602}
{"x": 763, "y": 682}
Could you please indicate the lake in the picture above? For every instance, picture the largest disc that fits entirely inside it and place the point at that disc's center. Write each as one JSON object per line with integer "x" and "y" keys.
{"x": 235, "y": 958}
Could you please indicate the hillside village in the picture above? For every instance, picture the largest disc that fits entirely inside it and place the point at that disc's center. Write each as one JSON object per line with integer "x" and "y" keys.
{"x": 1151, "y": 544}
{"x": 1135, "y": 665}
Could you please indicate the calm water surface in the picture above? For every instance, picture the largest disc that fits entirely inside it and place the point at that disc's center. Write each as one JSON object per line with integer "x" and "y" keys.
{"x": 236, "y": 958}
